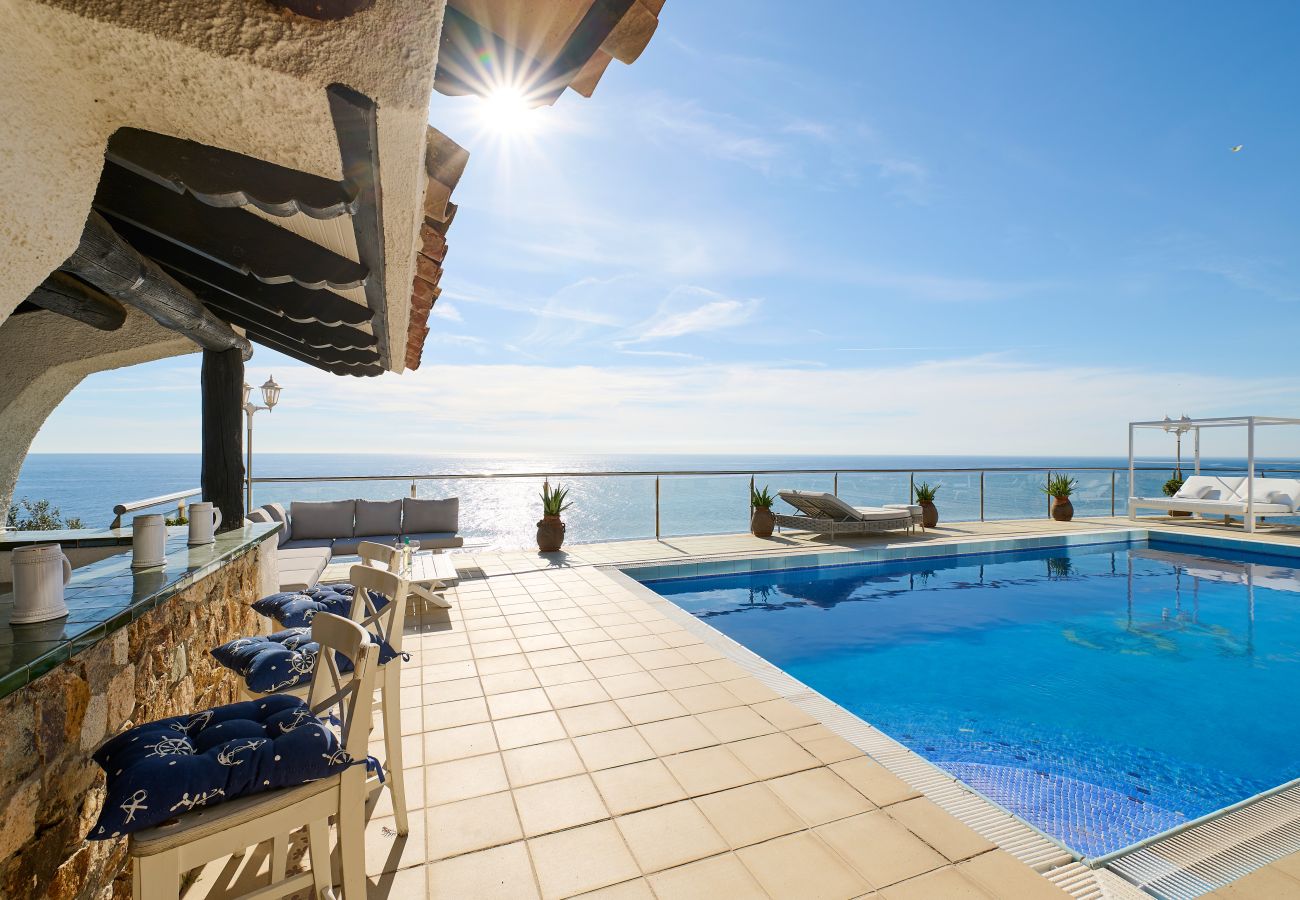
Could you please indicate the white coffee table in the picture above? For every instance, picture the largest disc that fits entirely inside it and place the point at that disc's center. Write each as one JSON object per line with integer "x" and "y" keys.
{"x": 432, "y": 573}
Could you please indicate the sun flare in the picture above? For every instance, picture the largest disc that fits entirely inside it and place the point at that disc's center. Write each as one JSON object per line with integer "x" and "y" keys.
{"x": 506, "y": 111}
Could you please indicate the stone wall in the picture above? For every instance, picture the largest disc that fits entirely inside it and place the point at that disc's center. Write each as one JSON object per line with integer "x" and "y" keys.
{"x": 50, "y": 788}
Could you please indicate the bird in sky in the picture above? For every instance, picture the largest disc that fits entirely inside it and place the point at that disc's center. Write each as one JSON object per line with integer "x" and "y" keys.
{"x": 1237, "y": 148}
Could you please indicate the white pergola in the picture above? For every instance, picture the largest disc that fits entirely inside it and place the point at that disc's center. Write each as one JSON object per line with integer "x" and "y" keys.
{"x": 1184, "y": 424}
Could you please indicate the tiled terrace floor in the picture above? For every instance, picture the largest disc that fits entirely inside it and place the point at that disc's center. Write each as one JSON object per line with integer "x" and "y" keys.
{"x": 564, "y": 738}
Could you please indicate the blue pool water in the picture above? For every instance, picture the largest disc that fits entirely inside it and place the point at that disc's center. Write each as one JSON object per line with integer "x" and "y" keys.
{"x": 1104, "y": 693}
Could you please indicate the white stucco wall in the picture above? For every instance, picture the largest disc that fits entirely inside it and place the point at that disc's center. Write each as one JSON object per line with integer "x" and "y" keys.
{"x": 236, "y": 74}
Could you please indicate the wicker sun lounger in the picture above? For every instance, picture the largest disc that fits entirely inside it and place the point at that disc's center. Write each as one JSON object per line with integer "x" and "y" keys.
{"x": 827, "y": 514}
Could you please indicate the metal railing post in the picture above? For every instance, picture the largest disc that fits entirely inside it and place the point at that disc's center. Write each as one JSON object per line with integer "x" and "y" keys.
{"x": 751, "y": 496}
{"x": 981, "y": 495}
{"x": 1049, "y": 496}
{"x": 1112, "y": 493}
{"x": 836, "y": 488}
{"x": 412, "y": 488}
{"x": 911, "y": 487}
{"x": 656, "y": 507}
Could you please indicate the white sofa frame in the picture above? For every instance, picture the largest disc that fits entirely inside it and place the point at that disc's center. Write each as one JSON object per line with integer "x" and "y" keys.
{"x": 1247, "y": 508}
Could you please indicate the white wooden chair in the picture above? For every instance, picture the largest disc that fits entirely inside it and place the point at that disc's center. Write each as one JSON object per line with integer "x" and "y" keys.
{"x": 160, "y": 855}
{"x": 379, "y": 556}
{"x": 386, "y": 622}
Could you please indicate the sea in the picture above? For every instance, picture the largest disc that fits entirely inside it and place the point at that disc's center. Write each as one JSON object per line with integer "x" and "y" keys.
{"x": 502, "y": 511}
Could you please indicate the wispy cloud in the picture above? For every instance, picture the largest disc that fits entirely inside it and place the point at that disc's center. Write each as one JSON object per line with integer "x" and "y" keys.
{"x": 445, "y": 310}
{"x": 690, "y": 310}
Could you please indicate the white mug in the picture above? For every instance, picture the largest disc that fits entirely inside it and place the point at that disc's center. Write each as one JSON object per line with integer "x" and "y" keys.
{"x": 148, "y": 541}
{"x": 40, "y": 572}
{"x": 205, "y": 519}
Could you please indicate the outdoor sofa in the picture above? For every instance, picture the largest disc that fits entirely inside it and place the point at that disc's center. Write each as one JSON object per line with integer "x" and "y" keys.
{"x": 316, "y": 531}
{"x": 1226, "y": 495}
{"x": 825, "y": 513}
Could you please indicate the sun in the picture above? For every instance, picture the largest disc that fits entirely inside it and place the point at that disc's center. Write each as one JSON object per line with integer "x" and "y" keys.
{"x": 506, "y": 111}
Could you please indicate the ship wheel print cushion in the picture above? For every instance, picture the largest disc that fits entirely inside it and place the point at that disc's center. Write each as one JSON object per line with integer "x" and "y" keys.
{"x": 163, "y": 769}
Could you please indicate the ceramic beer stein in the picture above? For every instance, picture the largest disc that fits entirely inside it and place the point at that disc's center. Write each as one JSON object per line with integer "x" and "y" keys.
{"x": 40, "y": 572}
{"x": 148, "y": 541}
{"x": 205, "y": 519}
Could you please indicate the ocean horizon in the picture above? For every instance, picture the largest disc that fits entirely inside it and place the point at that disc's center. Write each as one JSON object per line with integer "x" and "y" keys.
{"x": 503, "y": 511}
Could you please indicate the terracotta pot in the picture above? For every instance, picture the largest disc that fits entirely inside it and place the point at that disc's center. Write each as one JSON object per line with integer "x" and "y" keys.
{"x": 1062, "y": 509}
{"x": 929, "y": 515}
{"x": 761, "y": 522}
{"x": 550, "y": 534}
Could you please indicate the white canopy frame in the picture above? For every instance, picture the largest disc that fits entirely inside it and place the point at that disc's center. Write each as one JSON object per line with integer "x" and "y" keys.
{"x": 1250, "y": 423}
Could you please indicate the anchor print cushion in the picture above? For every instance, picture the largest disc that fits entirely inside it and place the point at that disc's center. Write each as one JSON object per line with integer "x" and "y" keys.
{"x": 166, "y": 768}
{"x": 295, "y": 609}
{"x": 283, "y": 660}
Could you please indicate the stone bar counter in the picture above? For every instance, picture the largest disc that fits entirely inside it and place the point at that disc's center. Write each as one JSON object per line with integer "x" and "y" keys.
{"x": 133, "y": 648}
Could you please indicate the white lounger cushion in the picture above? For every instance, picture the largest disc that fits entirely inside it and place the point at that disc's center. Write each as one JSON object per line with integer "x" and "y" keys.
{"x": 1210, "y": 487}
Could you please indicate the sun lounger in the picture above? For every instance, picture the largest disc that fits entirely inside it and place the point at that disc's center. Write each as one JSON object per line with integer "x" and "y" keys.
{"x": 1226, "y": 495}
{"x": 827, "y": 514}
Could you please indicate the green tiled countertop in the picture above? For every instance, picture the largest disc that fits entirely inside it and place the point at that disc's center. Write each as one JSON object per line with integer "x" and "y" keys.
{"x": 107, "y": 595}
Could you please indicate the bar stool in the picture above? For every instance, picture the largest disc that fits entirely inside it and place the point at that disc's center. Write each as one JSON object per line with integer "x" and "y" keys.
{"x": 386, "y": 622}
{"x": 160, "y": 855}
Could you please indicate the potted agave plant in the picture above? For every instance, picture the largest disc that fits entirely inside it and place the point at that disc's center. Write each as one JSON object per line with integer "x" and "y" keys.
{"x": 761, "y": 520}
{"x": 1172, "y": 486}
{"x": 1059, "y": 488}
{"x": 925, "y": 494}
{"x": 550, "y": 530}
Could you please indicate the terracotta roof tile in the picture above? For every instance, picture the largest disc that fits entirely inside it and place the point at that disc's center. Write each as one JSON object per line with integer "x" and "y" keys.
{"x": 444, "y": 164}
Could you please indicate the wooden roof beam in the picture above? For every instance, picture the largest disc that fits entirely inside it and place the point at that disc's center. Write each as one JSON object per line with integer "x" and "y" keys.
{"x": 68, "y": 296}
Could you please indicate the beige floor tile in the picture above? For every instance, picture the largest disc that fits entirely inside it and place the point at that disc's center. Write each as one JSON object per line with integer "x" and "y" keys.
{"x": 881, "y": 849}
{"x": 800, "y": 866}
{"x": 497, "y": 664}
{"x": 613, "y": 665}
{"x": 414, "y": 791}
{"x": 783, "y": 714}
{"x": 454, "y": 713}
{"x": 446, "y": 691}
{"x": 581, "y": 859}
{"x": 636, "y": 889}
{"x": 1002, "y": 875}
{"x": 542, "y": 762}
{"x": 660, "y": 659}
{"x": 564, "y": 673}
{"x": 473, "y": 824}
{"x": 524, "y": 730}
{"x": 830, "y": 749}
{"x": 576, "y": 693}
{"x": 541, "y": 658}
{"x": 630, "y": 685}
{"x": 502, "y": 873}
{"x": 668, "y": 836}
{"x": 600, "y": 650}
{"x": 1289, "y": 865}
{"x": 448, "y": 671}
{"x": 555, "y": 805}
{"x": 939, "y": 829}
{"x": 941, "y": 884}
{"x": 706, "y": 697}
{"x": 543, "y": 642}
{"x": 387, "y": 851}
{"x": 773, "y": 755}
{"x": 458, "y": 743}
{"x": 489, "y": 649}
{"x": 735, "y": 723}
{"x": 637, "y": 786}
{"x": 874, "y": 781}
{"x": 748, "y": 815}
{"x": 677, "y": 735}
{"x": 708, "y": 770}
{"x": 594, "y": 717}
{"x": 480, "y": 635}
{"x": 518, "y": 703}
{"x": 503, "y": 682}
{"x": 650, "y": 707}
{"x": 819, "y": 796}
{"x": 679, "y": 677}
{"x": 709, "y": 879}
{"x": 606, "y": 749}
{"x": 464, "y": 778}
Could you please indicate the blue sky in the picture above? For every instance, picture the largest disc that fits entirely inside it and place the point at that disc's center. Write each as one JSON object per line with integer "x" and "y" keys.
{"x": 845, "y": 228}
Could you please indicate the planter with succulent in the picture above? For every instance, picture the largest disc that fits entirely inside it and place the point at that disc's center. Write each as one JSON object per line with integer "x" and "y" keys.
{"x": 761, "y": 520}
{"x": 1059, "y": 488}
{"x": 1172, "y": 486}
{"x": 925, "y": 493}
{"x": 550, "y": 530}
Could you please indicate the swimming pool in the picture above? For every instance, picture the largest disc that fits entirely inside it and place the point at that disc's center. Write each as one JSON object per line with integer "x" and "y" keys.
{"x": 1103, "y": 693}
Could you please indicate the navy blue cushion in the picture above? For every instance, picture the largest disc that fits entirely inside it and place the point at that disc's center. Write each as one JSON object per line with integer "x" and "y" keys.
{"x": 295, "y": 609}
{"x": 284, "y": 659}
{"x": 166, "y": 768}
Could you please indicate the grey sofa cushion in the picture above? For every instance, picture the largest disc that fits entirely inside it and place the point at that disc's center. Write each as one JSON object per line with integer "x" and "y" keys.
{"x": 348, "y": 546}
{"x": 306, "y": 544}
{"x": 430, "y": 515}
{"x": 378, "y": 517}
{"x": 301, "y": 567}
{"x": 434, "y": 540}
{"x": 260, "y": 517}
{"x": 277, "y": 513}
{"x": 329, "y": 519}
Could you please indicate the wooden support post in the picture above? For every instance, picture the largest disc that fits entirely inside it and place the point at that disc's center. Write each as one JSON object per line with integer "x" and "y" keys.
{"x": 223, "y": 466}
